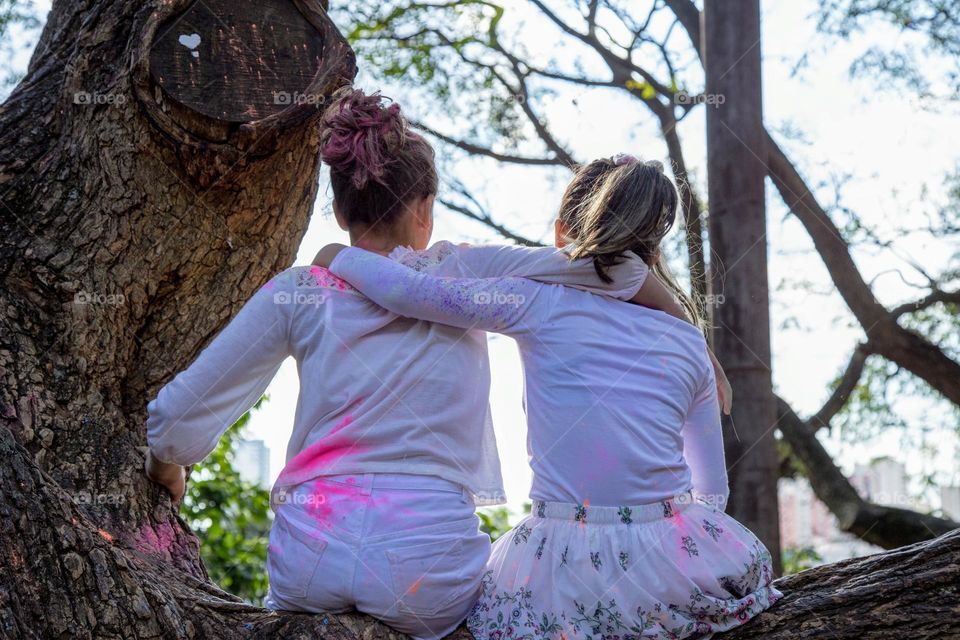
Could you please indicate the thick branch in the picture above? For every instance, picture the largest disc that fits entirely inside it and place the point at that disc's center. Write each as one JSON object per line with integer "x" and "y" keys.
{"x": 689, "y": 17}
{"x": 887, "y": 527}
{"x": 902, "y": 346}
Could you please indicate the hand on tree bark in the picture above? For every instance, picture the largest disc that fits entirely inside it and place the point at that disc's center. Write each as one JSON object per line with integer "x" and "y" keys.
{"x": 172, "y": 476}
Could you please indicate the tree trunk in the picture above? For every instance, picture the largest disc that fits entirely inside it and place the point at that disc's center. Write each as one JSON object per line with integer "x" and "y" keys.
{"x": 737, "y": 223}
{"x": 158, "y": 163}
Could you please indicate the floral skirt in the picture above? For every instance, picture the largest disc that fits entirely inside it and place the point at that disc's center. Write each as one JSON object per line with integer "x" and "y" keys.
{"x": 674, "y": 569}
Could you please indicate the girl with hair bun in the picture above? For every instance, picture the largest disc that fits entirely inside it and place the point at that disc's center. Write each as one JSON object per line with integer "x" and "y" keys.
{"x": 392, "y": 445}
{"x": 627, "y": 537}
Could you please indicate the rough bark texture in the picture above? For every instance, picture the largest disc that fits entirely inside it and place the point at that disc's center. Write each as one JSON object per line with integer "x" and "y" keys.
{"x": 913, "y": 592}
{"x": 741, "y": 324}
{"x": 132, "y": 228}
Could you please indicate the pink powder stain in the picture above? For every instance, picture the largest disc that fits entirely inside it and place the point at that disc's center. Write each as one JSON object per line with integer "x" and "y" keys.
{"x": 325, "y": 278}
{"x": 158, "y": 539}
{"x": 316, "y": 458}
{"x": 340, "y": 425}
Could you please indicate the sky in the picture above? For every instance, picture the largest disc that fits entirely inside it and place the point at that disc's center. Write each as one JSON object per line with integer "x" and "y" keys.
{"x": 890, "y": 148}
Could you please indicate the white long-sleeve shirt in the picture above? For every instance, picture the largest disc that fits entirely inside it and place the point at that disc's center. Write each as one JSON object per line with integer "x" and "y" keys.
{"x": 378, "y": 393}
{"x": 621, "y": 400}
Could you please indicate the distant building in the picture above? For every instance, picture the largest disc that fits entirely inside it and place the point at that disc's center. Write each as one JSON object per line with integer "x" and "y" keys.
{"x": 883, "y": 481}
{"x": 950, "y": 501}
{"x": 252, "y": 462}
{"x": 807, "y": 522}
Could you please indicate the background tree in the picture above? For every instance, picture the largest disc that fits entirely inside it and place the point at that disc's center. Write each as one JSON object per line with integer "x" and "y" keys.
{"x": 738, "y": 242}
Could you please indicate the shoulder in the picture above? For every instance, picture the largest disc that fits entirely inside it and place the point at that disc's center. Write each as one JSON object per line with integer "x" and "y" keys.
{"x": 307, "y": 277}
{"x": 427, "y": 259}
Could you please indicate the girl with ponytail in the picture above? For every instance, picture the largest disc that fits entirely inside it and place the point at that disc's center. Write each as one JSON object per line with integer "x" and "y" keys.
{"x": 627, "y": 536}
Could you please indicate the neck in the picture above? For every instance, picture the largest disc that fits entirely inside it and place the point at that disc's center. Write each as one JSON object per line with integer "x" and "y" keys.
{"x": 376, "y": 242}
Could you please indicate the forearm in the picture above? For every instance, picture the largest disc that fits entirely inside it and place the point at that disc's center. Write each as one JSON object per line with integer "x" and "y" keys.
{"x": 191, "y": 412}
{"x": 655, "y": 295}
{"x": 489, "y": 304}
{"x": 552, "y": 266}
{"x": 703, "y": 447}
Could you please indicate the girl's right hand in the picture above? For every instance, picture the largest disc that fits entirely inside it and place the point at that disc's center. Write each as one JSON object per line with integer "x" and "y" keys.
{"x": 724, "y": 390}
{"x": 326, "y": 255}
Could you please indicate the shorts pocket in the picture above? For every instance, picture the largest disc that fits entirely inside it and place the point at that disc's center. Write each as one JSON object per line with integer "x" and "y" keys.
{"x": 428, "y": 577}
{"x": 292, "y": 557}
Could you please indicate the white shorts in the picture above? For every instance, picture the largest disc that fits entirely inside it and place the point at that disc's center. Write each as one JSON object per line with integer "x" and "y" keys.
{"x": 406, "y": 549}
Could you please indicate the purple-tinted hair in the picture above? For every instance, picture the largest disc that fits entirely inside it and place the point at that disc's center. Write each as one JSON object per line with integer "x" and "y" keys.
{"x": 377, "y": 164}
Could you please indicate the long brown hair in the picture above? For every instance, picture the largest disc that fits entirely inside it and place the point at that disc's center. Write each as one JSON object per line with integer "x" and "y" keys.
{"x": 615, "y": 205}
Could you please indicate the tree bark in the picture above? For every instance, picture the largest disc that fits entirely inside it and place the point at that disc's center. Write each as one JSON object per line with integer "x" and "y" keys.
{"x": 737, "y": 222}
{"x": 147, "y": 193}
{"x": 912, "y": 592}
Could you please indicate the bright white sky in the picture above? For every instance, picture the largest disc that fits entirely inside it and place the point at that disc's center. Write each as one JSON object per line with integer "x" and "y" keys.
{"x": 883, "y": 140}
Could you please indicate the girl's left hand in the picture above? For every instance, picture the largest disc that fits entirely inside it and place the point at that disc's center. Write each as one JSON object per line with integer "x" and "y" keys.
{"x": 172, "y": 476}
{"x": 724, "y": 390}
{"x": 327, "y": 254}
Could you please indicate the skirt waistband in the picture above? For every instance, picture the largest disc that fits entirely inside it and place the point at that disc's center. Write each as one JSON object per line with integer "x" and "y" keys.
{"x": 587, "y": 513}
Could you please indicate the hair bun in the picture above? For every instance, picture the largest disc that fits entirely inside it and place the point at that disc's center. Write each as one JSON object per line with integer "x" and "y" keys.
{"x": 361, "y": 135}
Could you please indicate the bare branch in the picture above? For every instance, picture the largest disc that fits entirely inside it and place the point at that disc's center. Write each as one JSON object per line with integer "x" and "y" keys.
{"x": 484, "y": 218}
{"x": 848, "y": 382}
{"x": 934, "y": 297}
{"x": 906, "y": 348}
{"x": 489, "y": 153}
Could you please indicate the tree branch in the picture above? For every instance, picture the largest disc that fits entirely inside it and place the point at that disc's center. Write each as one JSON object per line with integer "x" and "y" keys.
{"x": 934, "y": 297}
{"x": 902, "y": 346}
{"x": 480, "y": 214}
{"x": 489, "y": 153}
{"x": 887, "y": 527}
{"x": 848, "y": 382}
